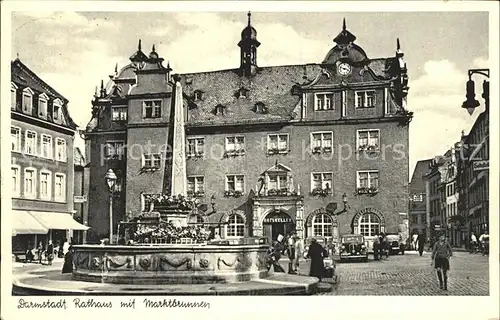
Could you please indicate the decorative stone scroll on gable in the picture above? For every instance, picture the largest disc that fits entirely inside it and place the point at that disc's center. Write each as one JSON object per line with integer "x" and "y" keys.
{"x": 318, "y": 211}
{"x": 359, "y": 215}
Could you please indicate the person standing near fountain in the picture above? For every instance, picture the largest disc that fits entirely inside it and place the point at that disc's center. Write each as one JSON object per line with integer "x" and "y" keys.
{"x": 316, "y": 252}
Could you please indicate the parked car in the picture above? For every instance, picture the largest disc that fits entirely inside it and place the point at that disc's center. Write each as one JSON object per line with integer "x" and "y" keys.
{"x": 353, "y": 246}
{"x": 395, "y": 245}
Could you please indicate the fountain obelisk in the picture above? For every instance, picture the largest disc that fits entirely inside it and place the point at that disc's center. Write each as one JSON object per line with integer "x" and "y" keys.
{"x": 178, "y": 175}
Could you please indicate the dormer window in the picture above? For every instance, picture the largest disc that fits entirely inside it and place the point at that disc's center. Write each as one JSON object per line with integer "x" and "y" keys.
{"x": 56, "y": 112}
{"x": 28, "y": 100}
{"x": 242, "y": 93}
{"x": 13, "y": 96}
{"x": 219, "y": 110}
{"x": 198, "y": 95}
{"x": 260, "y": 107}
{"x": 42, "y": 105}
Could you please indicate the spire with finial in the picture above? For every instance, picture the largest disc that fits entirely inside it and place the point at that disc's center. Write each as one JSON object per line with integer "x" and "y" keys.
{"x": 138, "y": 56}
{"x": 399, "y": 52}
{"x": 344, "y": 37}
{"x": 153, "y": 49}
{"x": 17, "y": 56}
{"x": 116, "y": 68}
{"x": 249, "y": 14}
{"x": 103, "y": 91}
{"x": 139, "y": 47}
{"x": 248, "y": 48}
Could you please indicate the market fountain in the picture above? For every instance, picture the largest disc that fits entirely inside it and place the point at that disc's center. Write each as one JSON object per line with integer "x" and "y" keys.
{"x": 164, "y": 248}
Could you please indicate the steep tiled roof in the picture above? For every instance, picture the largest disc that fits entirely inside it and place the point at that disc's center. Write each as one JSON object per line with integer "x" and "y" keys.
{"x": 271, "y": 86}
{"x": 417, "y": 184}
{"x": 78, "y": 158}
{"x": 23, "y": 77}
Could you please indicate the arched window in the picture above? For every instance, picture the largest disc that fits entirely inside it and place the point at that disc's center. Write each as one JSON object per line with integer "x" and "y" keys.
{"x": 235, "y": 226}
{"x": 322, "y": 225}
{"x": 369, "y": 225}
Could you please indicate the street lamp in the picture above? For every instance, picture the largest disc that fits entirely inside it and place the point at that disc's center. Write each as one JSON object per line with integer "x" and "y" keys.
{"x": 110, "y": 180}
{"x": 471, "y": 103}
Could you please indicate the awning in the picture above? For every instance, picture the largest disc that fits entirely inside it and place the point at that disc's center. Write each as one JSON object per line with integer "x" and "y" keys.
{"x": 57, "y": 220}
{"x": 24, "y": 223}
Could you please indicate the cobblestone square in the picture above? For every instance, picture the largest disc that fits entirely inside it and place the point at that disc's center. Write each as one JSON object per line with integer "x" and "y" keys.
{"x": 410, "y": 275}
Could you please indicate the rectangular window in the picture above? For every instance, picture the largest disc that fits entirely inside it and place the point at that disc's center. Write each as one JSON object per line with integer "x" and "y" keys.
{"x": 235, "y": 143}
{"x": 15, "y": 134}
{"x": 16, "y": 183}
{"x": 42, "y": 107}
{"x": 45, "y": 185}
{"x": 27, "y": 103}
{"x": 321, "y": 181}
{"x": 277, "y": 143}
{"x": 13, "y": 98}
{"x": 30, "y": 142}
{"x": 29, "y": 183}
{"x": 365, "y": 99}
{"x": 322, "y": 141}
{"x": 235, "y": 183}
{"x": 368, "y": 139}
{"x": 277, "y": 181}
{"x": 152, "y": 109}
{"x": 152, "y": 160}
{"x": 61, "y": 149}
{"x": 195, "y": 184}
{"x": 196, "y": 147}
{"x": 367, "y": 179}
{"x": 119, "y": 114}
{"x": 46, "y": 146}
{"x": 60, "y": 187}
{"x": 323, "y": 101}
{"x": 56, "y": 110}
{"x": 115, "y": 149}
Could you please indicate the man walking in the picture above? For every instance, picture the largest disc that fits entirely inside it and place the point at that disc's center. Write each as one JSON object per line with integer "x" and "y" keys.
{"x": 421, "y": 243}
{"x": 441, "y": 254}
{"x": 414, "y": 241}
{"x": 299, "y": 249}
{"x": 473, "y": 242}
{"x": 291, "y": 253}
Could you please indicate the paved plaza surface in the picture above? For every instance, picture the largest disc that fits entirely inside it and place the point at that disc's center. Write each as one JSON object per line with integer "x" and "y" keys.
{"x": 410, "y": 275}
{"x": 405, "y": 275}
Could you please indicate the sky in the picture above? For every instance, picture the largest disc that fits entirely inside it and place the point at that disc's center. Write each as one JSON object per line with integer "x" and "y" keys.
{"x": 73, "y": 51}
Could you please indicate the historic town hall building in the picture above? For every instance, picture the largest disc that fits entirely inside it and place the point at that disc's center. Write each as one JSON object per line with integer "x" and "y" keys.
{"x": 320, "y": 148}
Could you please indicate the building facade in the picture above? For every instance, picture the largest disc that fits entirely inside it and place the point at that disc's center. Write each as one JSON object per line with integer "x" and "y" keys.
{"x": 473, "y": 177}
{"x": 80, "y": 203}
{"x": 42, "y": 134}
{"x": 320, "y": 148}
{"x": 418, "y": 198}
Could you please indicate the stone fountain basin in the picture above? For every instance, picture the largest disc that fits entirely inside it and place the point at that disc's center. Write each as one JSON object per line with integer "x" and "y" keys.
{"x": 170, "y": 263}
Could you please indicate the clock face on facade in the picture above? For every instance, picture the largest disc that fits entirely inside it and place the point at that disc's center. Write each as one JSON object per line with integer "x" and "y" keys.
{"x": 344, "y": 69}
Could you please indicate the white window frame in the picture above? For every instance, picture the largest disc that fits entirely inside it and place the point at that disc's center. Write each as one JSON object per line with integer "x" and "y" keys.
{"x": 196, "y": 180}
{"x": 242, "y": 146}
{"x": 61, "y": 198}
{"x": 112, "y": 150}
{"x": 278, "y": 135}
{"x": 47, "y": 196}
{"x": 278, "y": 183}
{"x": 34, "y": 142}
{"x": 323, "y": 180}
{"x": 364, "y": 94}
{"x": 358, "y": 145}
{"x": 198, "y": 147}
{"x": 34, "y": 183}
{"x": 155, "y": 157}
{"x": 358, "y": 185}
{"x": 16, "y": 191}
{"x": 236, "y": 224}
{"x": 323, "y": 139}
{"x": 121, "y": 111}
{"x": 13, "y": 95}
{"x": 50, "y": 147}
{"x": 28, "y": 93}
{"x": 323, "y": 225}
{"x": 156, "y": 110}
{"x": 57, "y": 110}
{"x": 235, "y": 178}
{"x": 369, "y": 224}
{"x": 64, "y": 156}
{"x": 197, "y": 95}
{"x": 43, "y": 99}
{"x": 18, "y": 138}
{"x": 322, "y": 96}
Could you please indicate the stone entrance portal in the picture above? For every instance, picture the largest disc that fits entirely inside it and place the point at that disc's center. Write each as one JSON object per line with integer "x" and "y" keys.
{"x": 276, "y": 223}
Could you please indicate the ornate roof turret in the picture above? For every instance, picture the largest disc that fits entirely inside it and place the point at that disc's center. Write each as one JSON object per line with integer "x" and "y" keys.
{"x": 248, "y": 49}
{"x": 344, "y": 37}
{"x": 345, "y": 49}
{"x": 138, "y": 56}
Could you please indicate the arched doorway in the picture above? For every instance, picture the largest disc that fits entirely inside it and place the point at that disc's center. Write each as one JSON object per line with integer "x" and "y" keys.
{"x": 277, "y": 222}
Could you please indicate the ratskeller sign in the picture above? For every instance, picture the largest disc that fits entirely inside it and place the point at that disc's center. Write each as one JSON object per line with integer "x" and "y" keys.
{"x": 278, "y": 218}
